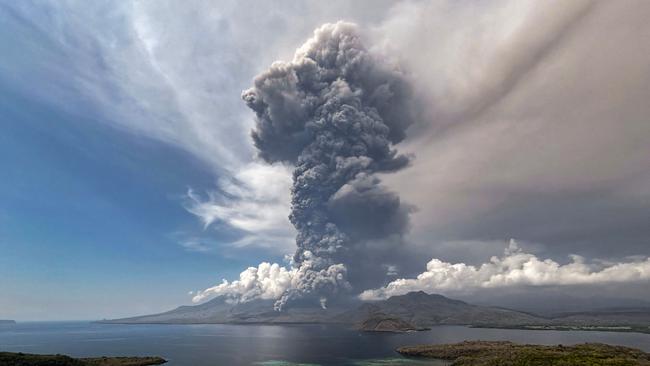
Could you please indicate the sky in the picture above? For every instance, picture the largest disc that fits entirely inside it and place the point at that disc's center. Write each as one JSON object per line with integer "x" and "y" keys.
{"x": 130, "y": 182}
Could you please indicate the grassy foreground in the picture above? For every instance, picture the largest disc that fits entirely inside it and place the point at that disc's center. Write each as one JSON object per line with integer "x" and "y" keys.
{"x": 24, "y": 359}
{"x": 482, "y": 353}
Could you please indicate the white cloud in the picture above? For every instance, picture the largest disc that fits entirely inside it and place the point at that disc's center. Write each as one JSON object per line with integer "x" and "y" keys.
{"x": 256, "y": 200}
{"x": 266, "y": 281}
{"x": 514, "y": 268}
{"x": 274, "y": 282}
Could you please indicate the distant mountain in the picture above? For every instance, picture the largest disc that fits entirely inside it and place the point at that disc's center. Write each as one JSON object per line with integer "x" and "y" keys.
{"x": 7, "y": 321}
{"x": 550, "y": 303}
{"x": 425, "y": 310}
{"x": 411, "y": 311}
{"x": 219, "y": 310}
{"x": 606, "y": 317}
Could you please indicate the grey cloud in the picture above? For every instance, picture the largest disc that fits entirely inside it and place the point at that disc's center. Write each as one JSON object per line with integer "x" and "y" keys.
{"x": 364, "y": 209}
{"x": 559, "y": 157}
{"x": 335, "y": 112}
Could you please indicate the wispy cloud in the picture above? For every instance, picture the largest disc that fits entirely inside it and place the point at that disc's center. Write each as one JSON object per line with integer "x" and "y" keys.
{"x": 197, "y": 245}
{"x": 254, "y": 201}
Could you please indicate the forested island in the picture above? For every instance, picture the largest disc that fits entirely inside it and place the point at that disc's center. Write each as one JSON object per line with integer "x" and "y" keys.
{"x": 4, "y": 321}
{"x": 25, "y": 359}
{"x": 502, "y": 353}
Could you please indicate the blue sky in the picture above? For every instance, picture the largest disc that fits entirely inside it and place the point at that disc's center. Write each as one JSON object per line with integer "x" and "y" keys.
{"x": 93, "y": 214}
{"x": 128, "y": 177}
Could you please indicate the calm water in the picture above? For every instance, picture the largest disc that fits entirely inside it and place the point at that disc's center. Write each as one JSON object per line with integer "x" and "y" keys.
{"x": 211, "y": 345}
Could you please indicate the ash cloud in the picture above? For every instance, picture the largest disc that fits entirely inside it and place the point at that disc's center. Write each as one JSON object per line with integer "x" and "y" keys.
{"x": 518, "y": 139}
{"x": 335, "y": 113}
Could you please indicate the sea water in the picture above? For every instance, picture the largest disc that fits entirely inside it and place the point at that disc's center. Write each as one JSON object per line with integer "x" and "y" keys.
{"x": 267, "y": 345}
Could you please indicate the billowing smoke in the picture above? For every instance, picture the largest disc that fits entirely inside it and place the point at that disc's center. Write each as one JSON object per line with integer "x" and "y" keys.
{"x": 266, "y": 281}
{"x": 334, "y": 112}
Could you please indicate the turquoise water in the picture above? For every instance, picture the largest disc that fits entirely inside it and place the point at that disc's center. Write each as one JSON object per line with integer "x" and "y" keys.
{"x": 267, "y": 345}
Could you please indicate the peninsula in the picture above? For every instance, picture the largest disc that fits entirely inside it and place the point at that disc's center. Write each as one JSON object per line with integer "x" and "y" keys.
{"x": 25, "y": 359}
{"x": 483, "y": 353}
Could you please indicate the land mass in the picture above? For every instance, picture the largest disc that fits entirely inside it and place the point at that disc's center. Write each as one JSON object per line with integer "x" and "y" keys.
{"x": 25, "y": 359}
{"x": 481, "y": 353}
{"x": 3, "y": 321}
{"x": 380, "y": 322}
{"x": 412, "y": 311}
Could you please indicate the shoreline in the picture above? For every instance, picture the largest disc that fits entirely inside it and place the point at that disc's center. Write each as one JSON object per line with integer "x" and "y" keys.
{"x": 488, "y": 353}
{"x": 640, "y": 329}
{"x": 26, "y": 359}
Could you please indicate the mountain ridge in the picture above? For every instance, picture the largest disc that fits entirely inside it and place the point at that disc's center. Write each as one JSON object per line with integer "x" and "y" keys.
{"x": 414, "y": 310}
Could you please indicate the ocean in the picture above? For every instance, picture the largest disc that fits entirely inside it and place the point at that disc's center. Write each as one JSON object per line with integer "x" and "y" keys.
{"x": 272, "y": 345}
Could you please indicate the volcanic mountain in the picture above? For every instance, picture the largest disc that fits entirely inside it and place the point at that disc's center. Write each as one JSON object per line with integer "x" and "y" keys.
{"x": 414, "y": 310}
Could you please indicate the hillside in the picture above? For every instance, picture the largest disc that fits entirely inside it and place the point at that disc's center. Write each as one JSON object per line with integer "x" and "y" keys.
{"x": 380, "y": 322}
{"x": 219, "y": 311}
{"x": 24, "y": 359}
{"x": 481, "y": 353}
{"x": 425, "y": 310}
{"x": 604, "y": 317}
{"x": 413, "y": 310}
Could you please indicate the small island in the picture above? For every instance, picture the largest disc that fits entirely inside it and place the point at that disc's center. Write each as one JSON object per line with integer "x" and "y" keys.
{"x": 25, "y": 359}
{"x": 4, "y": 321}
{"x": 380, "y": 322}
{"x": 483, "y": 353}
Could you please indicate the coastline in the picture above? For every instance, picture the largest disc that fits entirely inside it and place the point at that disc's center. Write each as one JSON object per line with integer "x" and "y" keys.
{"x": 568, "y": 328}
{"x": 27, "y": 359}
{"x": 505, "y": 353}
{"x": 641, "y": 329}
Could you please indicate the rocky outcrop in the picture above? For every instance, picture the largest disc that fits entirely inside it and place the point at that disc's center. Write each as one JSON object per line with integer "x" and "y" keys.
{"x": 380, "y": 322}
{"x": 482, "y": 353}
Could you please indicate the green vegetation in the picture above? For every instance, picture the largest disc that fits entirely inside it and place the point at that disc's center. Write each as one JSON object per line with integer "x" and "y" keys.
{"x": 24, "y": 359}
{"x": 481, "y": 353}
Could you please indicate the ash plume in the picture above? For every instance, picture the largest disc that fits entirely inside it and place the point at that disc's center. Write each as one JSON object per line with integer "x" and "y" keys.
{"x": 335, "y": 113}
